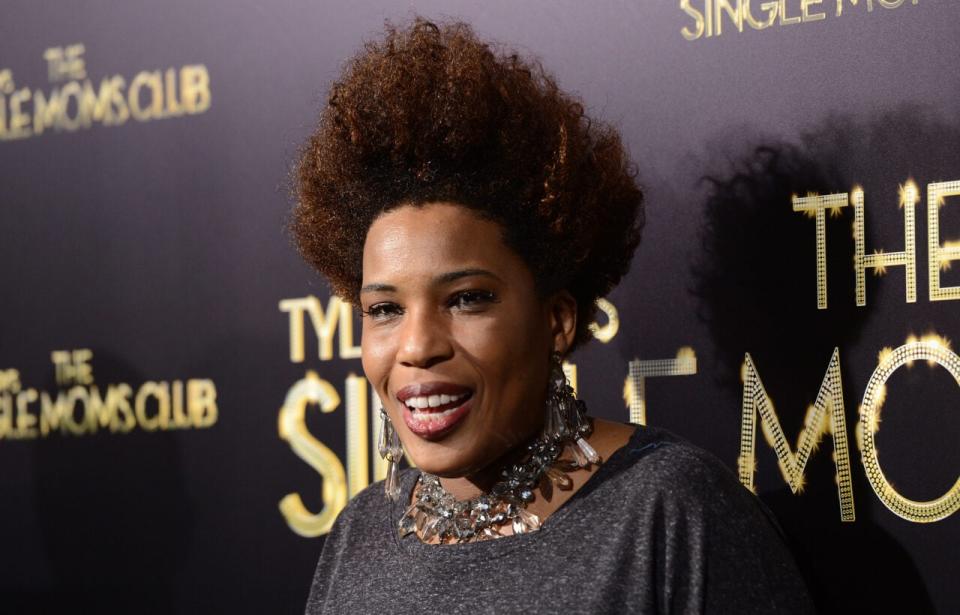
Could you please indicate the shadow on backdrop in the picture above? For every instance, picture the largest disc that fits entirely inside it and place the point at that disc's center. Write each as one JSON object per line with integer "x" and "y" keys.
{"x": 755, "y": 285}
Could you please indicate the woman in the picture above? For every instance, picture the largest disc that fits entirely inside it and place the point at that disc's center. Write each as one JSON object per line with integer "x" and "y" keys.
{"x": 475, "y": 215}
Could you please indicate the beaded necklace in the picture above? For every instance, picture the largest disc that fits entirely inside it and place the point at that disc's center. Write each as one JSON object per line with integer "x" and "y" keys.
{"x": 435, "y": 513}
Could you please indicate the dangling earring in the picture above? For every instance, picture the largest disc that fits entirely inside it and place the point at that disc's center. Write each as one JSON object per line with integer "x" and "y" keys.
{"x": 566, "y": 415}
{"x": 388, "y": 445}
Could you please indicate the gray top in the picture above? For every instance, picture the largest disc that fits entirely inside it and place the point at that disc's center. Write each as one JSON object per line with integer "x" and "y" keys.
{"x": 661, "y": 527}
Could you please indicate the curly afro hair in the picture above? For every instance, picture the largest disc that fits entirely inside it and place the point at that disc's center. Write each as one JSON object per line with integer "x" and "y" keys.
{"x": 431, "y": 113}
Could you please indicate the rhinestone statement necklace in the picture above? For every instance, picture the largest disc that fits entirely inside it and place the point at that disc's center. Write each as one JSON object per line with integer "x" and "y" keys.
{"x": 436, "y": 513}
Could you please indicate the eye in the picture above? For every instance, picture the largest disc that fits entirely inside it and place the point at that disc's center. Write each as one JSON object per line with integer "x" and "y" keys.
{"x": 472, "y": 300}
{"x": 383, "y": 311}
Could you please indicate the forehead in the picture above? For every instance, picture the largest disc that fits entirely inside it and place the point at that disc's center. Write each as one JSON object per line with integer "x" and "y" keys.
{"x": 424, "y": 240}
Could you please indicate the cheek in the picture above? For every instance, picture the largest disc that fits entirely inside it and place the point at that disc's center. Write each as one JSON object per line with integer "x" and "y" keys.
{"x": 508, "y": 347}
{"x": 491, "y": 341}
{"x": 376, "y": 358}
{"x": 521, "y": 329}
{"x": 511, "y": 360}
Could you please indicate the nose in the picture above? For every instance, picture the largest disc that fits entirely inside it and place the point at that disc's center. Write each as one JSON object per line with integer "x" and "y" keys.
{"x": 424, "y": 339}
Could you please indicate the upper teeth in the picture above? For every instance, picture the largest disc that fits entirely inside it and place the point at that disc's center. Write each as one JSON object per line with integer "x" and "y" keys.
{"x": 432, "y": 401}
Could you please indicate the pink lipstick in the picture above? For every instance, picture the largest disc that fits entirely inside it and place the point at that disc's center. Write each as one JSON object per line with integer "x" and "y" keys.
{"x": 432, "y": 409}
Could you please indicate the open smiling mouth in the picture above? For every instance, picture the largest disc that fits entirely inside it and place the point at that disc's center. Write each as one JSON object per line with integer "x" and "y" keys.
{"x": 431, "y": 414}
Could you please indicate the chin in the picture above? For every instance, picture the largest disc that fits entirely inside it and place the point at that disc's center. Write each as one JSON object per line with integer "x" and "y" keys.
{"x": 446, "y": 468}
{"x": 445, "y": 463}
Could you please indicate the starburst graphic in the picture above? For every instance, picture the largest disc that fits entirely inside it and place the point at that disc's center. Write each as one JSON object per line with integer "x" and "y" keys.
{"x": 909, "y": 195}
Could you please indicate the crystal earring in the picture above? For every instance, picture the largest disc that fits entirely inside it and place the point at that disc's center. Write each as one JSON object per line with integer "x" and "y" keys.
{"x": 566, "y": 415}
{"x": 388, "y": 445}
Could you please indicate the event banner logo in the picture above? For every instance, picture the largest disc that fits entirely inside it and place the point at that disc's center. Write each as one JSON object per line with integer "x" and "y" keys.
{"x": 74, "y": 102}
{"x": 79, "y": 407}
{"x": 717, "y": 17}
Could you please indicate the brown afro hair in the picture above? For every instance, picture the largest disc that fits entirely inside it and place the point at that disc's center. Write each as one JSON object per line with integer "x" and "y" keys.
{"x": 431, "y": 113}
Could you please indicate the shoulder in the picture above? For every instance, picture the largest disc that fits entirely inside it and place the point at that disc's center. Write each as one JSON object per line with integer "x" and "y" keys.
{"x": 663, "y": 473}
{"x": 722, "y": 547}
{"x": 659, "y": 458}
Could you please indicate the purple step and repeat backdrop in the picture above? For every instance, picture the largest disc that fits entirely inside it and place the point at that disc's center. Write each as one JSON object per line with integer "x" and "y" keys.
{"x": 182, "y": 407}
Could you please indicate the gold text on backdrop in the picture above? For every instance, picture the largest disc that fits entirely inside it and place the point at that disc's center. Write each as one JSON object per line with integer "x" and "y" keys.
{"x": 635, "y": 385}
{"x": 710, "y": 16}
{"x": 940, "y": 255}
{"x": 80, "y": 407}
{"x": 75, "y": 103}
{"x": 827, "y": 415}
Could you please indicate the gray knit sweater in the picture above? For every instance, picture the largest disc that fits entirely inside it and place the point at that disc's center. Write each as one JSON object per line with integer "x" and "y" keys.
{"x": 661, "y": 527}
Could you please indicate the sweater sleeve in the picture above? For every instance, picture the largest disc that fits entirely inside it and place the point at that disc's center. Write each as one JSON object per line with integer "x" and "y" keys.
{"x": 720, "y": 550}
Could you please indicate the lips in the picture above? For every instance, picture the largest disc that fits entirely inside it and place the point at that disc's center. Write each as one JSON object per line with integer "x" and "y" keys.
{"x": 432, "y": 409}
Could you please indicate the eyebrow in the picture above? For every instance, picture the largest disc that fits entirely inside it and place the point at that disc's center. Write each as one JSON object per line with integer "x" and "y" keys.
{"x": 453, "y": 276}
{"x": 444, "y": 278}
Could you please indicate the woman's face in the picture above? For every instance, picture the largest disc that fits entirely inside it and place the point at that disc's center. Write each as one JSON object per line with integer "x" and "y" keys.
{"x": 456, "y": 340}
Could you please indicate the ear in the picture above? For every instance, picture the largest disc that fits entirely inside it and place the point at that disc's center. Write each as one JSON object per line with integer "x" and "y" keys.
{"x": 562, "y": 315}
